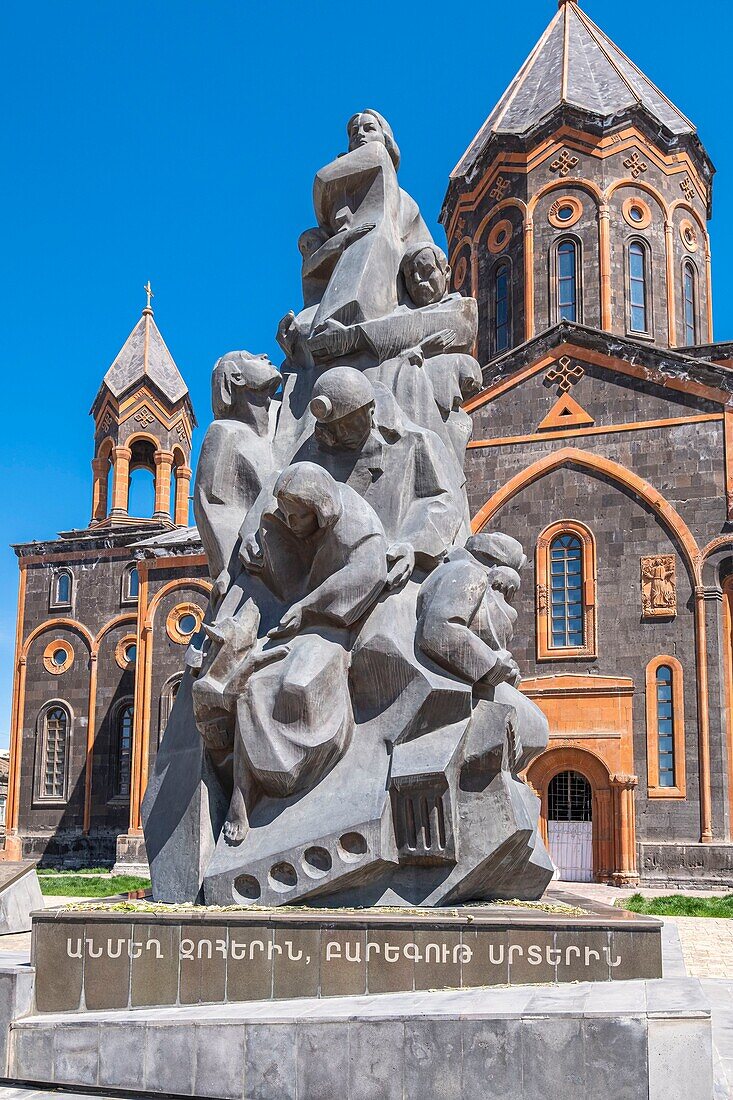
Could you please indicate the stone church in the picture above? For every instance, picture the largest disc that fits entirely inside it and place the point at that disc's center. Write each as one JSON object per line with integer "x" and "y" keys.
{"x": 603, "y": 440}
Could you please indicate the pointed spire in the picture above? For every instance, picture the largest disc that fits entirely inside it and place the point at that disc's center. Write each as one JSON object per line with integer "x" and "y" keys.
{"x": 574, "y": 63}
{"x": 144, "y": 355}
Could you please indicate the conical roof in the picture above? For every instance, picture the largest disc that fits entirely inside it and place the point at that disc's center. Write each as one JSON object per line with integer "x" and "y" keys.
{"x": 574, "y": 63}
{"x": 144, "y": 355}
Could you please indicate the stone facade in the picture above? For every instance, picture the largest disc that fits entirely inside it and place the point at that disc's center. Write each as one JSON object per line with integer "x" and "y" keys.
{"x": 93, "y": 607}
{"x": 618, "y": 437}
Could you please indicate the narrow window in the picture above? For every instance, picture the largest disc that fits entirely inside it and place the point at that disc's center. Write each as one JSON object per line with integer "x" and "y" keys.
{"x": 690, "y": 296}
{"x": 167, "y": 699}
{"x": 56, "y": 733}
{"x": 665, "y": 727}
{"x": 567, "y": 281}
{"x": 501, "y": 308}
{"x": 61, "y": 589}
{"x": 124, "y": 751}
{"x": 566, "y": 592}
{"x": 638, "y": 287}
{"x": 130, "y": 584}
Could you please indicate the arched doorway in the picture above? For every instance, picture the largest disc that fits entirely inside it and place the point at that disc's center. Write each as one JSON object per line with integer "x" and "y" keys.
{"x": 570, "y": 825}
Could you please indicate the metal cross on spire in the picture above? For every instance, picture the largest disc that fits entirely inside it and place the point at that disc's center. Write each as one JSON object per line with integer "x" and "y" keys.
{"x": 149, "y": 291}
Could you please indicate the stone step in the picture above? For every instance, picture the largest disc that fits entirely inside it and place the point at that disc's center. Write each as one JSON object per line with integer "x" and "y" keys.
{"x": 627, "y": 1039}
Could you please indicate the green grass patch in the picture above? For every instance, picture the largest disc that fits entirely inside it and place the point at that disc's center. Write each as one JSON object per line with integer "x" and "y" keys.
{"x": 678, "y": 905}
{"x": 87, "y": 886}
{"x": 77, "y": 871}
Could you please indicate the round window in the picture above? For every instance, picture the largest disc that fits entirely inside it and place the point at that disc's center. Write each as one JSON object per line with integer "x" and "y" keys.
{"x": 187, "y": 624}
{"x": 565, "y": 213}
{"x": 636, "y": 214}
{"x": 59, "y": 657}
{"x": 131, "y": 653}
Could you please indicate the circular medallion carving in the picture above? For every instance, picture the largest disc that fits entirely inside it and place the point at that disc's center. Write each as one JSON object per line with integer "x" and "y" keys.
{"x": 58, "y": 656}
{"x": 565, "y": 212}
{"x": 689, "y": 235}
{"x": 461, "y": 271}
{"x": 637, "y": 213}
{"x": 126, "y": 652}
{"x": 500, "y": 236}
{"x": 183, "y": 622}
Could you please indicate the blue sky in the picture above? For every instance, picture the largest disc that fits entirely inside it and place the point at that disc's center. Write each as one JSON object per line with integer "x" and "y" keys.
{"x": 177, "y": 141}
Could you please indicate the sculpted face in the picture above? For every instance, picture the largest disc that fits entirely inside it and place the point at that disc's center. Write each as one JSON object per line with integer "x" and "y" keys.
{"x": 363, "y": 130}
{"x": 301, "y": 520}
{"x": 240, "y": 380}
{"x": 348, "y": 433}
{"x": 426, "y": 281}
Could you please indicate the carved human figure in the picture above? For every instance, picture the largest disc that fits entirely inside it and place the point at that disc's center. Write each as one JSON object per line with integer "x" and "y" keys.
{"x": 454, "y": 379}
{"x": 370, "y": 223}
{"x": 236, "y": 457}
{"x": 465, "y": 617}
{"x": 424, "y": 309}
{"x": 348, "y": 619}
{"x": 405, "y": 473}
{"x": 465, "y": 624}
{"x": 323, "y": 552}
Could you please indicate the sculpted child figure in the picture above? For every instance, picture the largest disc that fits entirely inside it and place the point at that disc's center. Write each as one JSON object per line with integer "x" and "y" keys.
{"x": 325, "y": 556}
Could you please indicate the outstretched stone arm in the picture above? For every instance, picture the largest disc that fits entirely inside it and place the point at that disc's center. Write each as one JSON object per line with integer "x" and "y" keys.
{"x": 344, "y": 597}
{"x": 406, "y": 328}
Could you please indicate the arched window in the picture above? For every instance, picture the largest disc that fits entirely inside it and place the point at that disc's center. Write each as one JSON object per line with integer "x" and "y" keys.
{"x": 638, "y": 264}
{"x": 689, "y": 297}
{"x": 130, "y": 584}
{"x": 167, "y": 699}
{"x": 123, "y": 764}
{"x": 141, "y": 494}
{"x": 566, "y": 592}
{"x": 502, "y": 308}
{"x": 54, "y": 752}
{"x": 566, "y": 279}
{"x": 665, "y": 728}
{"x": 62, "y": 588}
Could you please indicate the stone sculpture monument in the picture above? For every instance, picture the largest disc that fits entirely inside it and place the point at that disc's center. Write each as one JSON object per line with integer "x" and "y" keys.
{"x": 349, "y": 729}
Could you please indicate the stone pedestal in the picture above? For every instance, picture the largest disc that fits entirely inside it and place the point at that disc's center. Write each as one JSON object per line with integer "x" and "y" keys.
{"x": 107, "y": 959}
{"x": 131, "y": 857}
{"x": 637, "y": 1040}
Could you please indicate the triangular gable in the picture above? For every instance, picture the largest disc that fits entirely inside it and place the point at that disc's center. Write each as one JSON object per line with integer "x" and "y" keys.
{"x": 682, "y": 383}
{"x": 566, "y": 413}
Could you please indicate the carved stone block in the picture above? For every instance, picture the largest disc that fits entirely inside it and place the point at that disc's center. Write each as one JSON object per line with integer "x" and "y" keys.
{"x": 659, "y": 586}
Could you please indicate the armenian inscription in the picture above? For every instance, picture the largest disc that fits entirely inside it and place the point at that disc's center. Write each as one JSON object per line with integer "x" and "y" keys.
{"x": 354, "y": 951}
{"x": 90, "y": 960}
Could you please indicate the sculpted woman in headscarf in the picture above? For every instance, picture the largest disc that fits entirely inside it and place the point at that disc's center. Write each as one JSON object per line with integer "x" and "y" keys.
{"x": 325, "y": 556}
{"x": 369, "y": 221}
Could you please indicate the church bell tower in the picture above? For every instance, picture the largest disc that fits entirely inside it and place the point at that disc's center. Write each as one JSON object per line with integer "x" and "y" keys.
{"x": 144, "y": 420}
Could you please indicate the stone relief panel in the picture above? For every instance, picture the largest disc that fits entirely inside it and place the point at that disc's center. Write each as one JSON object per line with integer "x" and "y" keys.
{"x": 658, "y": 586}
